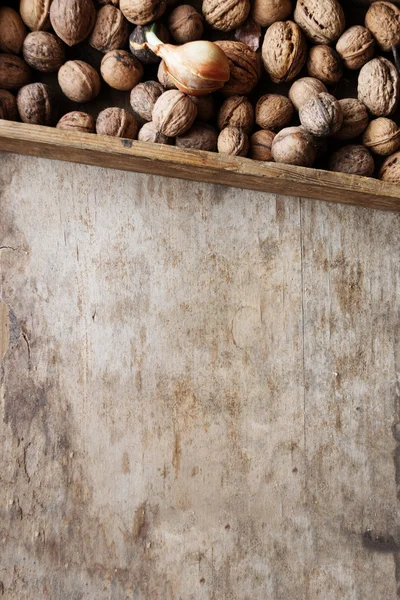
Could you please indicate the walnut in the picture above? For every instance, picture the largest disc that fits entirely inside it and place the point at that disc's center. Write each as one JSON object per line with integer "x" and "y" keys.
{"x": 111, "y": 30}
{"x": 165, "y": 78}
{"x": 245, "y": 68}
{"x": 143, "y": 98}
{"x": 34, "y": 104}
{"x": 72, "y": 20}
{"x": 226, "y": 15}
{"x": 8, "y": 106}
{"x": 261, "y": 144}
{"x": 121, "y": 70}
{"x": 294, "y": 146}
{"x": 174, "y": 113}
{"x": 14, "y": 72}
{"x": 141, "y": 12}
{"x": 325, "y": 64}
{"x": 77, "y": 121}
{"x": 383, "y": 21}
{"x": 233, "y": 141}
{"x": 390, "y": 171}
{"x": 305, "y": 88}
{"x": 382, "y": 136}
{"x": 266, "y": 12}
{"x": 322, "y": 115}
{"x": 274, "y": 111}
{"x": 205, "y": 107}
{"x": 43, "y": 51}
{"x": 185, "y": 24}
{"x": 356, "y": 46}
{"x": 323, "y": 21}
{"x": 138, "y": 38}
{"x": 12, "y": 30}
{"x": 355, "y": 119}
{"x": 150, "y": 133}
{"x": 79, "y": 81}
{"x": 378, "y": 87}
{"x": 354, "y": 160}
{"x": 35, "y": 14}
{"x": 284, "y": 51}
{"x": 236, "y": 111}
{"x": 199, "y": 137}
{"x": 117, "y": 122}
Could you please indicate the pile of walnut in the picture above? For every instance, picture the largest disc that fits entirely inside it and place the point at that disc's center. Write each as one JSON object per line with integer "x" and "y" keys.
{"x": 305, "y": 43}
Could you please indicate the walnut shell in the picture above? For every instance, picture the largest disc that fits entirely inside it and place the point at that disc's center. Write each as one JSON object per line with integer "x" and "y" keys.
{"x": 261, "y": 145}
{"x": 354, "y": 160}
{"x": 8, "y": 106}
{"x": 77, "y": 121}
{"x": 149, "y": 133}
{"x": 72, "y": 20}
{"x": 117, "y": 122}
{"x": 121, "y": 70}
{"x": 34, "y": 104}
{"x": 266, "y": 12}
{"x": 274, "y": 111}
{"x": 43, "y": 51}
{"x": 35, "y": 13}
{"x": 305, "y": 88}
{"x": 138, "y": 38}
{"x": 322, "y": 115}
{"x": 356, "y": 46}
{"x": 245, "y": 68}
{"x": 12, "y": 30}
{"x": 226, "y": 15}
{"x": 14, "y": 72}
{"x": 185, "y": 24}
{"x": 233, "y": 141}
{"x": 382, "y": 136}
{"x": 236, "y": 111}
{"x": 141, "y": 12}
{"x": 199, "y": 137}
{"x": 383, "y": 21}
{"x": 325, "y": 64}
{"x": 165, "y": 78}
{"x": 294, "y": 146}
{"x": 79, "y": 81}
{"x": 322, "y": 21}
{"x": 390, "y": 171}
{"x": 378, "y": 87}
{"x": 174, "y": 113}
{"x": 205, "y": 107}
{"x": 355, "y": 119}
{"x": 111, "y": 30}
{"x": 284, "y": 51}
{"x": 143, "y": 98}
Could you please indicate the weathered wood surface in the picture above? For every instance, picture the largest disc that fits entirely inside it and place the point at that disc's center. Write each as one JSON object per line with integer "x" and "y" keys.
{"x": 199, "y": 391}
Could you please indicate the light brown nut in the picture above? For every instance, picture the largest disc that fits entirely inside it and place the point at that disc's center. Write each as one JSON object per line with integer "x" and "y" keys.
{"x": 8, "y": 106}
{"x": 383, "y": 21}
{"x": 43, "y": 51}
{"x": 199, "y": 137}
{"x": 233, "y": 141}
{"x": 174, "y": 113}
{"x": 142, "y": 12}
{"x": 138, "y": 38}
{"x": 390, "y": 171}
{"x": 322, "y": 115}
{"x": 79, "y": 81}
{"x": 14, "y": 72}
{"x": 323, "y": 21}
{"x": 185, "y": 24}
{"x": 294, "y": 146}
{"x": 274, "y": 111}
{"x": 266, "y": 12}
{"x": 355, "y": 119}
{"x": 143, "y": 98}
{"x": 245, "y": 68}
{"x": 236, "y": 111}
{"x": 261, "y": 145}
{"x": 284, "y": 51}
{"x": 149, "y": 133}
{"x": 354, "y": 160}
{"x": 111, "y": 30}
{"x": 117, "y": 122}
{"x": 356, "y": 46}
{"x": 226, "y": 15}
{"x": 12, "y": 30}
{"x": 35, "y": 14}
{"x": 34, "y": 104}
{"x": 325, "y": 64}
{"x": 72, "y": 20}
{"x": 382, "y": 136}
{"x": 121, "y": 70}
{"x": 164, "y": 77}
{"x": 378, "y": 87}
{"x": 305, "y": 88}
{"x": 77, "y": 121}
{"x": 205, "y": 107}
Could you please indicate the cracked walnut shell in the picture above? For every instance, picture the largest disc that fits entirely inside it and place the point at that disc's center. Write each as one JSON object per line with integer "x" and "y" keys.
{"x": 226, "y": 15}
{"x": 12, "y": 30}
{"x": 294, "y": 146}
{"x": 72, "y": 20}
{"x": 244, "y": 65}
{"x": 236, "y": 111}
{"x": 356, "y": 46}
{"x": 77, "y": 121}
{"x": 383, "y": 21}
{"x": 322, "y": 21}
{"x": 174, "y": 113}
{"x": 34, "y": 104}
{"x": 355, "y": 119}
{"x": 111, "y": 30}
{"x": 35, "y": 14}
{"x": 378, "y": 86}
{"x": 284, "y": 51}
{"x": 141, "y": 12}
{"x": 382, "y": 136}
{"x": 233, "y": 141}
{"x": 353, "y": 160}
{"x": 266, "y": 12}
{"x": 322, "y": 116}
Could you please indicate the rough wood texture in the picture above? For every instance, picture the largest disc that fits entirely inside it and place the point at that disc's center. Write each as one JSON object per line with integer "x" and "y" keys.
{"x": 199, "y": 393}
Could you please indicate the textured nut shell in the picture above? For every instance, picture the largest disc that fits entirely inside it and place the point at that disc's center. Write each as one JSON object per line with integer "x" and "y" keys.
{"x": 378, "y": 87}
{"x": 165, "y": 78}
{"x": 356, "y": 46}
{"x": 266, "y": 12}
{"x": 199, "y": 137}
{"x": 72, "y": 20}
{"x": 323, "y": 21}
{"x": 382, "y": 136}
{"x": 150, "y": 133}
{"x": 174, "y": 113}
{"x": 390, "y": 170}
{"x": 34, "y": 104}
{"x": 354, "y": 160}
{"x": 79, "y": 81}
{"x": 14, "y": 72}
{"x": 185, "y": 24}
{"x": 294, "y": 146}
{"x": 205, "y": 107}
{"x": 383, "y": 21}
{"x": 8, "y": 106}
{"x": 236, "y": 111}
{"x": 12, "y": 30}
{"x": 325, "y": 64}
{"x": 142, "y": 12}
{"x": 138, "y": 38}
{"x": 77, "y": 121}
{"x": 35, "y": 13}
{"x": 143, "y": 98}
{"x": 261, "y": 144}
{"x": 43, "y": 51}
{"x": 322, "y": 115}
{"x": 111, "y": 30}
{"x": 244, "y": 65}
{"x": 355, "y": 119}
{"x": 305, "y": 88}
{"x": 226, "y": 15}
{"x": 284, "y": 51}
{"x": 117, "y": 122}
{"x": 121, "y": 70}
{"x": 233, "y": 141}
{"x": 274, "y": 111}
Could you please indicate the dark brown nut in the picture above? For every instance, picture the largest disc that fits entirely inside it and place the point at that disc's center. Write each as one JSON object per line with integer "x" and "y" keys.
{"x": 121, "y": 70}
{"x": 261, "y": 144}
{"x": 8, "y": 106}
{"x": 34, "y": 104}
{"x": 14, "y": 72}
{"x": 266, "y": 12}
{"x": 77, "y": 121}
{"x": 284, "y": 51}
{"x": 323, "y": 21}
{"x": 199, "y": 137}
{"x": 105, "y": 2}
{"x": 174, "y": 113}
{"x": 111, "y": 30}
{"x": 35, "y": 14}
{"x": 236, "y": 111}
{"x": 274, "y": 111}
{"x": 233, "y": 141}
{"x": 355, "y": 119}
{"x": 322, "y": 115}
{"x": 378, "y": 87}
{"x": 383, "y": 21}
{"x": 305, "y": 88}
{"x": 354, "y": 160}
{"x": 79, "y": 81}
{"x": 185, "y": 24}
{"x": 226, "y": 15}
{"x": 245, "y": 68}
{"x": 356, "y": 46}
{"x": 325, "y": 64}
{"x": 390, "y": 171}
{"x": 149, "y": 133}
{"x": 143, "y": 99}
{"x": 205, "y": 107}
{"x": 141, "y": 12}
{"x": 43, "y": 51}
{"x": 165, "y": 78}
{"x": 138, "y": 38}
{"x": 382, "y": 136}
{"x": 72, "y": 20}
{"x": 294, "y": 146}
{"x": 117, "y": 122}
{"x": 12, "y": 30}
